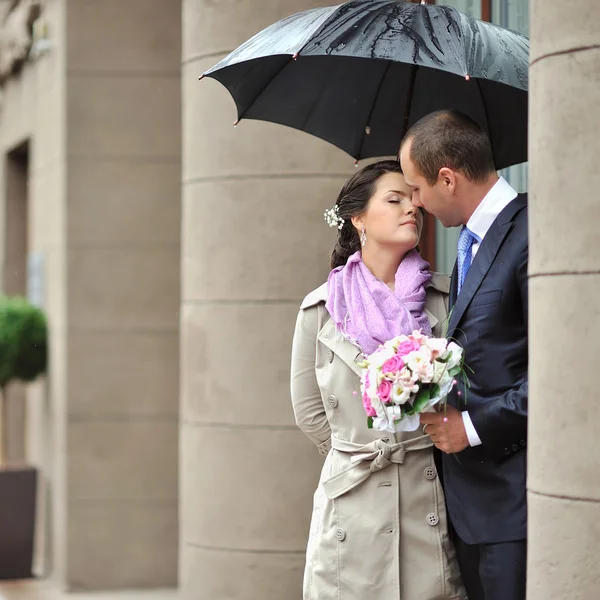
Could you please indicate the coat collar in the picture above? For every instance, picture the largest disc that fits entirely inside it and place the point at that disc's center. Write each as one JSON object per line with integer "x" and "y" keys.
{"x": 482, "y": 262}
{"x": 330, "y": 337}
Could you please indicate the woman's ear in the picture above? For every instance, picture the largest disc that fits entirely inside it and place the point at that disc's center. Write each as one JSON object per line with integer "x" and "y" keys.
{"x": 357, "y": 222}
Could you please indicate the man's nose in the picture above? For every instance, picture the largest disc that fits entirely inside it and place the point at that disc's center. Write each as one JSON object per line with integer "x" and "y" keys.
{"x": 414, "y": 205}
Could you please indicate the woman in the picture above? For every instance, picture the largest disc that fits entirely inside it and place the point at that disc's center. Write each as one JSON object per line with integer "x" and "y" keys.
{"x": 379, "y": 526}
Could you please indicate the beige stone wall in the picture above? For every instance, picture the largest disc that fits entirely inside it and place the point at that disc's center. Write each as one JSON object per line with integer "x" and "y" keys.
{"x": 254, "y": 243}
{"x": 123, "y": 146}
{"x": 31, "y": 112}
{"x": 564, "y": 462}
{"x": 101, "y": 113}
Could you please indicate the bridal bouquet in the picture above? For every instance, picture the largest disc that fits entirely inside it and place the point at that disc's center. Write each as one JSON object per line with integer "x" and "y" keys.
{"x": 406, "y": 376}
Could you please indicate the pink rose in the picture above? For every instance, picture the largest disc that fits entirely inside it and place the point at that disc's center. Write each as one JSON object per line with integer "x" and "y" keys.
{"x": 407, "y": 347}
{"x": 368, "y": 406}
{"x": 384, "y": 390}
{"x": 392, "y": 365}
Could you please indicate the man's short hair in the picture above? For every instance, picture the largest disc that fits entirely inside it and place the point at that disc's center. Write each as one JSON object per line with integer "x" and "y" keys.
{"x": 448, "y": 138}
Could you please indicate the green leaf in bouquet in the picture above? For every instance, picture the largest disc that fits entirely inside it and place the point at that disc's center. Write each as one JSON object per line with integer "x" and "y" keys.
{"x": 435, "y": 391}
{"x": 445, "y": 360}
{"x": 457, "y": 370}
{"x": 423, "y": 396}
{"x": 370, "y": 422}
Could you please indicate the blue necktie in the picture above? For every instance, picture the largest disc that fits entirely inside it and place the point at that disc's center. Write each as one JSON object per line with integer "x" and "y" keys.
{"x": 465, "y": 255}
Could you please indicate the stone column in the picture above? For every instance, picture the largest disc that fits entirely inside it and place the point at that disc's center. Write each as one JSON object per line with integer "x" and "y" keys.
{"x": 123, "y": 171}
{"x": 253, "y": 244}
{"x": 564, "y": 460}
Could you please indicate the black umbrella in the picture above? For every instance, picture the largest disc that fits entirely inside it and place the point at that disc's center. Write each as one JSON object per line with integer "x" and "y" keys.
{"x": 359, "y": 74}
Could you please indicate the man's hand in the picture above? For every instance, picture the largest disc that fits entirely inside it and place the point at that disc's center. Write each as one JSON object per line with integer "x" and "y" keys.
{"x": 446, "y": 429}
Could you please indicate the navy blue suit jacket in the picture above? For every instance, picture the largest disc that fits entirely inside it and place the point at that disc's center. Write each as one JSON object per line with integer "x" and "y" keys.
{"x": 486, "y": 485}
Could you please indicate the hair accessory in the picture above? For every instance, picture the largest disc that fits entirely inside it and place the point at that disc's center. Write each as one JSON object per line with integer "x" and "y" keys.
{"x": 332, "y": 217}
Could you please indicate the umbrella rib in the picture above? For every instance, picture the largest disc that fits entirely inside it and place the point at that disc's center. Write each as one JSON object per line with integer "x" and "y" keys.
{"x": 364, "y": 137}
{"x": 292, "y": 59}
{"x": 409, "y": 99}
{"x": 241, "y": 115}
{"x": 485, "y": 112}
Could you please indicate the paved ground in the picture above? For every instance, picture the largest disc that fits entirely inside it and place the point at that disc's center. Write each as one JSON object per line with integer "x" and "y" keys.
{"x": 40, "y": 590}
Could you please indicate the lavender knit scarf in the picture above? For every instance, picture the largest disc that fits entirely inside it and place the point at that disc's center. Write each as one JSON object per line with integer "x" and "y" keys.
{"x": 368, "y": 312}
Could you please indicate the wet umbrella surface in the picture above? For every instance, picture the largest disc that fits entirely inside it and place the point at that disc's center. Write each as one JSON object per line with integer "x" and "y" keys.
{"x": 359, "y": 74}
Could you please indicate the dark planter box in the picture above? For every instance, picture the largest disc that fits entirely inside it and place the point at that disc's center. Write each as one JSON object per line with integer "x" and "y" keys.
{"x": 17, "y": 521}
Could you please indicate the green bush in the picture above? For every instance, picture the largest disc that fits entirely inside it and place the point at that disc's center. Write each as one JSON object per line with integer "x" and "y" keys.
{"x": 23, "y": 341}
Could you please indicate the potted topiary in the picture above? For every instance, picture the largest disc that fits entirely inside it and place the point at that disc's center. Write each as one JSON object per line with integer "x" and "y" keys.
{"x": 23, "y": 357}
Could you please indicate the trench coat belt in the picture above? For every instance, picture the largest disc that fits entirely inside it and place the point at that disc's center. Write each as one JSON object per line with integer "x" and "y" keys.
{"x": 368, "y": 459}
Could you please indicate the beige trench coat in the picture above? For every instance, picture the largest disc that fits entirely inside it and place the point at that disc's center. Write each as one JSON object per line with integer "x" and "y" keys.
{"x": 379, "y": 527}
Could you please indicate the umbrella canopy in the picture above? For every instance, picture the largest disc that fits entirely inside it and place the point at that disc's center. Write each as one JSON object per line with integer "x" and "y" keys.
{"x": 359, "y": 74}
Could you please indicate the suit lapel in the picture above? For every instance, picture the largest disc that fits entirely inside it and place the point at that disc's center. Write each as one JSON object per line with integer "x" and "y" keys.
{"x": 482, "y": 262}
{"x": 453, "y": 285}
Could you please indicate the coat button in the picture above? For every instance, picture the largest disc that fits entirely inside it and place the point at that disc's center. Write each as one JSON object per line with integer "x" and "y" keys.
{"x": 333, "y": 401}
{"x": 515, "y": 447}
{"x": 330, "y": 356}
{"x": 506, "y": 451}
{"x": 429, "y": 473}
{"x": 340, "y": 534}
{"x": 432, "y": 519}
{"x": 523, "y": 443}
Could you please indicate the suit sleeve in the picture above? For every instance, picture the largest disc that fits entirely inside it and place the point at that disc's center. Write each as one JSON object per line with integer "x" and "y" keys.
{"x": 501, "y": 423}
{"x": 307, "y": 402}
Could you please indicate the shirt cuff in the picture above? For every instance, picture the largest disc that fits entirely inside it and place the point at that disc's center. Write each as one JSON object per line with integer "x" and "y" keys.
{"x": 474, "y": 439}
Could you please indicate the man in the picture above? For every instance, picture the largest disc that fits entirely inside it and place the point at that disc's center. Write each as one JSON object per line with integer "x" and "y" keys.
{"x": 448, "y": 161}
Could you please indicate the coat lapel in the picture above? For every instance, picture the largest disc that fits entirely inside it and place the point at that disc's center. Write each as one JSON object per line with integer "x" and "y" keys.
{"x": 482, "y": 262}
{"x": 329, "y": 336}
{"x": 433, "y": 320}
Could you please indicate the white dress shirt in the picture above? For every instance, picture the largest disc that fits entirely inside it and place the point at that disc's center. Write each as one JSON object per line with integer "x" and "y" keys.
{"x": 479, "y": 224}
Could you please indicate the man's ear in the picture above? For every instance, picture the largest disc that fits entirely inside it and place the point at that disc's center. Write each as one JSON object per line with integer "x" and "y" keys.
{"x": 448, "y": 178}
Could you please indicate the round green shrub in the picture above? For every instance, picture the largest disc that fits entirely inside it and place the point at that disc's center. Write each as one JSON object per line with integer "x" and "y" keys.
{"x": 23, "y": 340}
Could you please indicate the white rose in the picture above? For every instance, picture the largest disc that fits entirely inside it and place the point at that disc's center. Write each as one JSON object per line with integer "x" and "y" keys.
{"x": 456, "y": 356}
{"x": 440, "y": 374}
{"x": 406, "y": 378}
{"x": 437, "y": 346}
{"x": 380, "y": 356}
{"x": 421, "y": 366}
{"x": 401, "y": 394}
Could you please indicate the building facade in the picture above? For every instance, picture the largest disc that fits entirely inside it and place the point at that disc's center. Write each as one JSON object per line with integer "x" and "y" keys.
{"x": 90, "y": 215}
{"x": 154, "y": 235}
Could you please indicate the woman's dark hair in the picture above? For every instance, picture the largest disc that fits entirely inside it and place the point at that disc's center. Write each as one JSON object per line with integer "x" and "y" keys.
{"x": 352, "y": 201}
